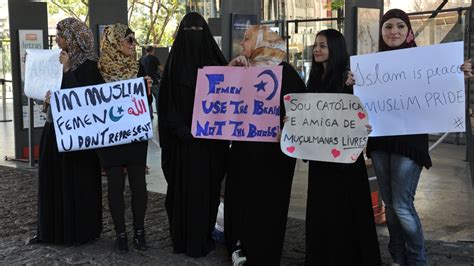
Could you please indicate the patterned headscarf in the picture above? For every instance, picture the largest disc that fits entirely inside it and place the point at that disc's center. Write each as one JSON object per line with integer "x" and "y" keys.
{"x": 113, "y": 64}
{"x": 270, "y": 49}
{"x": 79, "y": 41}
{"x": 400, "y": 14}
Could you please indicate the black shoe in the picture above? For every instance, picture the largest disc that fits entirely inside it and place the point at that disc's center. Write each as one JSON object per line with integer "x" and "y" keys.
{"x": 34, "y": 240}
{"x": 121, "y": 243}
{"x": 139, "y": 240}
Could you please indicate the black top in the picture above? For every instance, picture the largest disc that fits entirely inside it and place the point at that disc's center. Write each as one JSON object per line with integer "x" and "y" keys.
{"x": 86, "y": 74}
{"x": 414, "y": 147}
{"x": 151, "y": 64}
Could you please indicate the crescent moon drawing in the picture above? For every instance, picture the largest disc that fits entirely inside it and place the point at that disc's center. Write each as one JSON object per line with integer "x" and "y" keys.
{"x": 112, "y": 116}
{"x": 275, "y": 82}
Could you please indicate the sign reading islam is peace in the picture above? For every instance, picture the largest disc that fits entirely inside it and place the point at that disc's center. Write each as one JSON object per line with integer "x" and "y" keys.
{"x": 413, "y": 91}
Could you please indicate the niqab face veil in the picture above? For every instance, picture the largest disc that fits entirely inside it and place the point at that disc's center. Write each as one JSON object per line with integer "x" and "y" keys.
{"x": 193, "y": 48}
{"x": 79, "y": 41}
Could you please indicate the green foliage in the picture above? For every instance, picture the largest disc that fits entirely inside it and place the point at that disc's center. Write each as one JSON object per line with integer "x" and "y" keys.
{"x": 155, "y": 21}
{"x": 6, "y": 57}
{"x": 72, "y": 8}
{"x": 337, "y": 4}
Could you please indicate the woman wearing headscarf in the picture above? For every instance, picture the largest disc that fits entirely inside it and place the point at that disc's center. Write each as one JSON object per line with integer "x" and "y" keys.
{"x": 118, "y": 62}
{"x": 398, "y": 160}
{"x": 258, "y": 182}
{"x": 70, "y": 190}
{"x": 193, "y": 168}
{"x": 342, "y": 223}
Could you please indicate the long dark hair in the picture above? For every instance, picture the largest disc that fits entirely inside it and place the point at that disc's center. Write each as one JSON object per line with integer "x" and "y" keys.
{"x": 333, "y": 79}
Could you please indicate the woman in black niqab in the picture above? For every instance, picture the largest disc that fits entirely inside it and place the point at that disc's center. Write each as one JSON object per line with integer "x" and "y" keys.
{"x": 193, "y": 168}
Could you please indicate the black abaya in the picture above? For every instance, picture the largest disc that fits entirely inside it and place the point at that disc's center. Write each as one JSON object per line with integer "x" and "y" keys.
{"x": 257, "y": 192}
{"x": 340, "y": 228}
{"x": 193, "y": 168}
{"x": 339, "y": 215}
{"x": 70, "y": 190}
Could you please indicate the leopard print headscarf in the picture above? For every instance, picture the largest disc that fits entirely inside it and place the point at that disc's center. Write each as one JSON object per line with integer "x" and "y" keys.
{"x": 79, "y": 41}
{"x": 113, "y": 64}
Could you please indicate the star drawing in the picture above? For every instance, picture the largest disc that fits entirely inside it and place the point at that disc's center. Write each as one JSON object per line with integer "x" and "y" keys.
{"x": 260, "y": 86}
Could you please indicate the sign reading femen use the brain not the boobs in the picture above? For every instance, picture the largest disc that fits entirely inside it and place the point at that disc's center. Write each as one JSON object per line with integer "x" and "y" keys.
{"x": 237, "y": 103}
{"x": 326, "y": 127}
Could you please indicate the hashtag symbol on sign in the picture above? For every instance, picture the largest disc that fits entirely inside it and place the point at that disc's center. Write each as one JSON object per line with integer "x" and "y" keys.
{"x": 459, "y": 122}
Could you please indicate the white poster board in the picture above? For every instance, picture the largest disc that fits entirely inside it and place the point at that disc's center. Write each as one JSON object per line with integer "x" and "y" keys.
{"x": 29, "y": 39}
{"x": 43, "y": 72}
{"x": 328, "y": 127}
{"x": 102, "y": 115}
{"x": 412, "y": 91}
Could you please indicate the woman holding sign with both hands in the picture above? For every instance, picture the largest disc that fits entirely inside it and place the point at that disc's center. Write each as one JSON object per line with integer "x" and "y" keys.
{"x": 398, "y": 160}
{"x": 69, "y": 184}
{"x": 339, "y": 205}
{"x": 258, "y": 183}
{"x": 118, "y": 62}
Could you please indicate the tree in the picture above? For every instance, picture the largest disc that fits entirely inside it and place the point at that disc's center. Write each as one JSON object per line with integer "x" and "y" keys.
{"x": 337, "y": 4}
{"x": 151, "y": 20}
{"x": 73, "y": 8}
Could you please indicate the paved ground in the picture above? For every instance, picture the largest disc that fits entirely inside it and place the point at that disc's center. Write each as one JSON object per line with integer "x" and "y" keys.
{"x": 18, "y": 194}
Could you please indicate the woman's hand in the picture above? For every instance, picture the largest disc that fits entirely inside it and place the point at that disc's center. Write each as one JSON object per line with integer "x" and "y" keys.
{"x": 239, "y": 61}
{"x": 369, "y": 128}
{"x": 278, "y": 136}
{"x": 285, "y": 119}
{"x": 350, "y": 78}
{"x": 467, "y": 68}
{"x": 47, "y": 97}
{"x": 65, "y": 61}
{"x": 149, "y": 82}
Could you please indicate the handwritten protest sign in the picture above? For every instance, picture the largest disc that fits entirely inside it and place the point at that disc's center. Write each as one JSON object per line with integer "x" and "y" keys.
{"x": 237, "y": 103}
{"x": 328, "y": 127}
{"x": 43, "y": 72}
{"x": 101, "y": 115}
{"x": 412, "y": 91}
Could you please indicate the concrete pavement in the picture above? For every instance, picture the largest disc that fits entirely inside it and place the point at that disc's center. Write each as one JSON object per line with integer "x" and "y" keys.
{"x": 18, "y": 195}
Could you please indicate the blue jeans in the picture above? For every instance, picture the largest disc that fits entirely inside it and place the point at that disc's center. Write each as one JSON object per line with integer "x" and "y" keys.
{"x": 398, "y": 178}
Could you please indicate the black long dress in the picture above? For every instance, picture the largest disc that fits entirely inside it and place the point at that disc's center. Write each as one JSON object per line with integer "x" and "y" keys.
{"x": 70, "y": 190}
{"x": 340, "y": 227}
{"x": 193, "y": 168}
{"x": 257, "y": 191}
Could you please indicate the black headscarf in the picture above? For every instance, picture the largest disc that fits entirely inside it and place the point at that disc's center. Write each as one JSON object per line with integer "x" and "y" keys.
{"x": 193, "y": 48}
{"x": 400, "y": 14}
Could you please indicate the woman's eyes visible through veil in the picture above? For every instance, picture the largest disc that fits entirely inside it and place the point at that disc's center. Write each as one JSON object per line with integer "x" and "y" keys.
{"x": 193, "y": 28}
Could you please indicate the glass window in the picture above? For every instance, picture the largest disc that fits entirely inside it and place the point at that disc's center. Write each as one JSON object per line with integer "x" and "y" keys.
{"x": 299, "y": 9}
{"x": 445, "y": 27}
{"x": 207, "y": 8}
{"x": 300, "y": 48}
{"x": 410, "y": 6}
